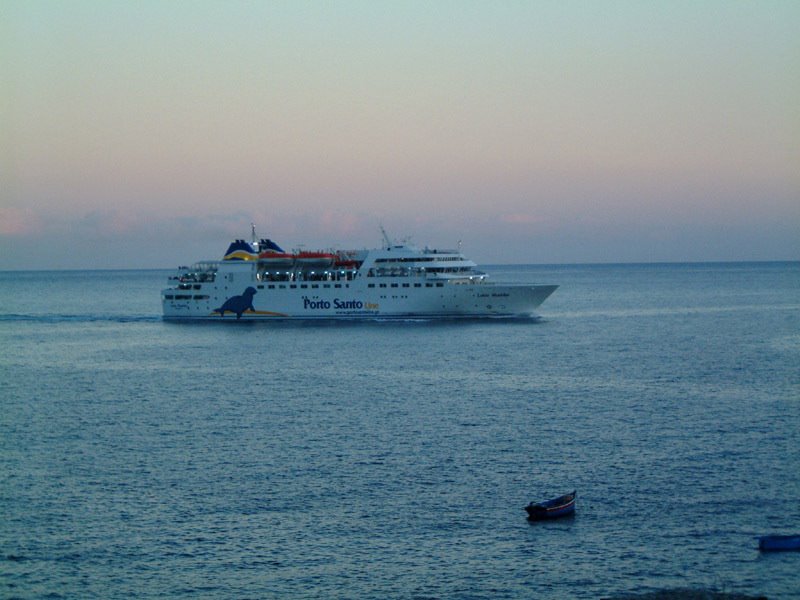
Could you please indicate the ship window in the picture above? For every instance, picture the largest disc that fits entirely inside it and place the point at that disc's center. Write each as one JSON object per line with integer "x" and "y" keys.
{"x": 394, "y": 285}
{"x": 314, "y": 285}
{"x": 383, "y": 285}
{"x": 271, "y": 286}
{"x": 417, "y": 285}
{"x": 200, "y": 297}
{"x": 439, "y": 285}
{"x": 168, "y": 296}
{"x": 338, "y": 285}
{"x": 283, "y": 287}
{"x": 326, "y": 285}
{"x": 303, "y": 286}
{"x": 405, "y": 285}
{"x": 370, "y": 285}
{"x": 197, "y": 286}
{"x": 293, "y": 287}
{"x": 428, "y": 285}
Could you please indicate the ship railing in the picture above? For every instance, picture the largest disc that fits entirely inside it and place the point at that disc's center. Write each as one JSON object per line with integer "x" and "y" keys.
{"x": 202, "y": 277}
{"x": 306, "y": 275}
{"x": 460, "y": 279}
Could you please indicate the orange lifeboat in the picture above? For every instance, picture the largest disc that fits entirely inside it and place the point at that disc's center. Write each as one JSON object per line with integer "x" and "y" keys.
{"x": 317, "y": 260}
{"x": 272, "y": 259}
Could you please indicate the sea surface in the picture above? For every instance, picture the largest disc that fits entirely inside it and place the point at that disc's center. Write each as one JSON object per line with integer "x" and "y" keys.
{"x": 149, "y": 459}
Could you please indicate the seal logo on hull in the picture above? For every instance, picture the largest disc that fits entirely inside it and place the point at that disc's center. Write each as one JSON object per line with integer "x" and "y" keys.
{"x": 238, "y": 304}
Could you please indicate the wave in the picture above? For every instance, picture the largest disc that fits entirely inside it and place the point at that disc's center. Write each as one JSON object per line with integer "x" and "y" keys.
{"x": 78, "y": 318}
{"x": 676, "y": 310}
{"x": 322, "y": 322}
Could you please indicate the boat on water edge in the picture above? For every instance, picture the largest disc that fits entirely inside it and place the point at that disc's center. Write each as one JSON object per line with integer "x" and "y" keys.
{"x": 779, "y": 543}
{"x": 258, "y": 280}
{"x": 552, "y": 509}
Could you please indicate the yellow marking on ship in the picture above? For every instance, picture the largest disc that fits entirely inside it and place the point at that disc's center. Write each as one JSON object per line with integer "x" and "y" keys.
{"x": 267, "y": 312}
{"x": 241, "y": 254}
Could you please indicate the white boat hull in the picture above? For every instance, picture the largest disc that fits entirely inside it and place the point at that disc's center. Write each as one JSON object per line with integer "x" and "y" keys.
{"x": 354, "y": 300}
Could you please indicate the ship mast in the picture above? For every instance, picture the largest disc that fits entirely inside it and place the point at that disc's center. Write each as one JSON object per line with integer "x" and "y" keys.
{"x": 385, "y": 237}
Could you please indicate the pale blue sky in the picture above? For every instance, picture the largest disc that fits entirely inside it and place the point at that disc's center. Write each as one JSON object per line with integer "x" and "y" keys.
{"x": 146, "y": 134}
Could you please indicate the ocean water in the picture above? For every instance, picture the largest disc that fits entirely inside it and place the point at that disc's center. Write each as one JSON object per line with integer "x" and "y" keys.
{"x": 146, "y": 459}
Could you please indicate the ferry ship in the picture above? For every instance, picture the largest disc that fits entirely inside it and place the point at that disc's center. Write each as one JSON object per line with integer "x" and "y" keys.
{"x": 258, "y": 280}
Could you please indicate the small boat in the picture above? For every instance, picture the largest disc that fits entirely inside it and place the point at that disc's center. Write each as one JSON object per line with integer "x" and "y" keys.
{"x": 319, "y": 260}
{"x": 272, "y": 259}
{"x": 552, "y": 509}
{"x": 777, "y": 543}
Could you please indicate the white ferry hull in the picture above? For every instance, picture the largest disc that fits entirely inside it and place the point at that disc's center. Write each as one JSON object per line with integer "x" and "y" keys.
{"x": 357, "y": 302}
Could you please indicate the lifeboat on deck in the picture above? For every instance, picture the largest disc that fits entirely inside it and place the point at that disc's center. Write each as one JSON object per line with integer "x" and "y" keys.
{"x": 346, "y": 259}
{"x": 314, "y": 260}
{"x": 276, "y": 260}
{"x": 272, "y": 256}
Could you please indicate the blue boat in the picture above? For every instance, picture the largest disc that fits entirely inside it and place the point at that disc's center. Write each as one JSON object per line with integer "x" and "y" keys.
{"x": 552, "y": 509}
{"x": 778, "y": 543}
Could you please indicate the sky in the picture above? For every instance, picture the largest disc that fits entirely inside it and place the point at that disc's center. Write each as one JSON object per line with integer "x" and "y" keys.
{"x": 150, "y": 134}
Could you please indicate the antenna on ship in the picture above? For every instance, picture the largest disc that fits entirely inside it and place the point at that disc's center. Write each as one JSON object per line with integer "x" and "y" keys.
{"x": 385, "y": 237}
{"x": 253, "y": 232}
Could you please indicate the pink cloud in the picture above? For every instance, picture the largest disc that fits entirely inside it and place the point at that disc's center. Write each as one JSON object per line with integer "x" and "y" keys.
{"x": 18, "y": 221}
{"x": 341, "y": 224}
